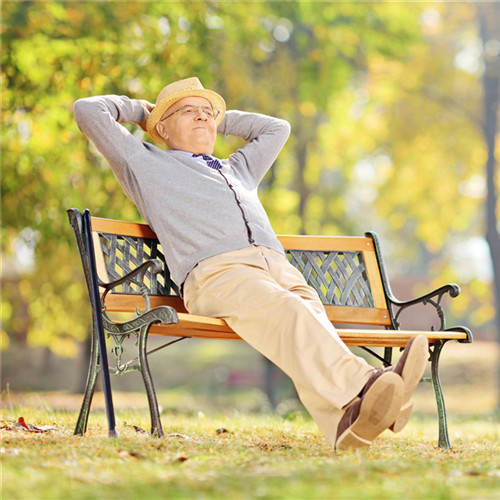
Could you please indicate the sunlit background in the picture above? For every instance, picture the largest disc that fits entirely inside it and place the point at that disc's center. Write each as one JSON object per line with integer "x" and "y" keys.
{"x": 389, "y": 114}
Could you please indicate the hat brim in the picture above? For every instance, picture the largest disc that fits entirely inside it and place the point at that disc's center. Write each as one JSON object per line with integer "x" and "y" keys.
{"x": 215, "y": 100}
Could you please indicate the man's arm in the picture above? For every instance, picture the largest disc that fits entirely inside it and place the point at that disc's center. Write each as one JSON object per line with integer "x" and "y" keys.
{"x": 99, "y": 118}
{"x": 265, "y": 135}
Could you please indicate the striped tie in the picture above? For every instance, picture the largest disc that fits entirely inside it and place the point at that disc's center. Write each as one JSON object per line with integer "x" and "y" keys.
{"x": 211, "y": 162}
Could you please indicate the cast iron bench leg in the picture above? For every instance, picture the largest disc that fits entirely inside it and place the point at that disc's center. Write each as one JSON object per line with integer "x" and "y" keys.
{"x": 156, "y": 428}
{"x": 443, "y": 440}
{"x": 83, "y": 417}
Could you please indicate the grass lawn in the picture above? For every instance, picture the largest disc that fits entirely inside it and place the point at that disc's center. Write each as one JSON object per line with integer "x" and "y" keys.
{"x": 240, "y": 455}
{"x": 226, "y": 446}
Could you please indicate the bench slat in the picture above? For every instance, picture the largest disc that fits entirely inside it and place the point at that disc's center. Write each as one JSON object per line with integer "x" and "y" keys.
{"x": 326, "y": 243}
{"x": 393, "y": 338}
{"x": 194, "y": 326}
{"x": 294, "y": 242}
{"x": 339, "y": 314}
{"x": 122, "y": 227}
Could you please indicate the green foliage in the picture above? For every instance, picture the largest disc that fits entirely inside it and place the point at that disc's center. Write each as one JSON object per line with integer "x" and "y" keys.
{"x": 338, "y": 71}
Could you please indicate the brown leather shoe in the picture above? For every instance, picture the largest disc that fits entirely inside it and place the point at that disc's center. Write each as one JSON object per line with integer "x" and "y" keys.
{"x": 410, "y": 367}
{"x": 372, "y": 413}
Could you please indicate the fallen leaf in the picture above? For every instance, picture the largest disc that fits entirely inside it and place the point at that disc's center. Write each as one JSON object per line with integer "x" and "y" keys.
{"x": 133, "y": 454}
{"x": 21, "y": 423}
{"x": 265, "y": 447}
{"x": 136, "y": 428}
{"x": 473, "y": 473}
{"x": 43, "y": 428}
{"x": 180, "y": 459}
{"x": 176, "y": 435}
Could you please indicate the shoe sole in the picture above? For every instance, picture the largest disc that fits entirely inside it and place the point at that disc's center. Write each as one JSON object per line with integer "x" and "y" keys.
{"x": 379, "y": 408}
{"x": 412, "y": 373}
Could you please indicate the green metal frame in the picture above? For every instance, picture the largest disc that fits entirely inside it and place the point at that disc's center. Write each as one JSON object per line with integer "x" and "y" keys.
{"x": 103, "y": 326}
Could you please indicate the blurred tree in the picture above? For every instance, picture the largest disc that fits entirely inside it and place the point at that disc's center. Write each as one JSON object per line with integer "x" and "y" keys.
{"x": 306, "y": 63}
{"x": 423, "y": 151}
{"x": 80, "y": 49}
{"x": 383, "y": 106}
{"x": 302, "y": 56}
{"x": 489, "y": 28}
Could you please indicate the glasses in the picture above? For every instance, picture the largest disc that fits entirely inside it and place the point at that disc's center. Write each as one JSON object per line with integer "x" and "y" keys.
{"x": 189, "y": 110}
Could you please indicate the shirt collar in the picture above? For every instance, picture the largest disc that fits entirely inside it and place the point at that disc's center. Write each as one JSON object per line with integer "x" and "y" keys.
{"x": 187, "y": 153}
{"x": 199, "y": 159}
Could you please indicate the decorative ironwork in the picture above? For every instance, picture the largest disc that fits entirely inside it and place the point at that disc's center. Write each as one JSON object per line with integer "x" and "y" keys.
{"x": 121, "y": 331}
{"x": 340, "y": 278}
{"x": 433, "y": 298}
{"x": 141, "y": 278}
{"x": 122, "y": 254}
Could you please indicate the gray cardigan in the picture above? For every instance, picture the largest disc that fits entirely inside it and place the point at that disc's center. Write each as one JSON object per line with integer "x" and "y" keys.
{"x": 196, "y": 212}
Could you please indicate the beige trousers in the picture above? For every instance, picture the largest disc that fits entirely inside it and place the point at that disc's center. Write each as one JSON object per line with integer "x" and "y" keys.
{"x": 268, "y": 303}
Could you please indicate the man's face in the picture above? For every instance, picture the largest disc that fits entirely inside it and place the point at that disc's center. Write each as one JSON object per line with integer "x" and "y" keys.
{"x": 189, "y": 129}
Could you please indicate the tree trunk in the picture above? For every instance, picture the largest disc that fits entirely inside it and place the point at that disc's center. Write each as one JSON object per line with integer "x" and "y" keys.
{"x": 489, "y": 27}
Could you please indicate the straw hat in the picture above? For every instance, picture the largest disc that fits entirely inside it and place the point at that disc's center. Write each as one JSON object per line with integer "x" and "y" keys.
{"x": 175, "y": 91}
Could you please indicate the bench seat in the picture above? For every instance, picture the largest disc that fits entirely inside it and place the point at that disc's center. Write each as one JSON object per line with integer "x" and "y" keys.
{"x": 204, "y": 327}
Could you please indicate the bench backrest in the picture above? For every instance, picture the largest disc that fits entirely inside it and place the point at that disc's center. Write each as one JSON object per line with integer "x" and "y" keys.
{"x": 345, "y": 271}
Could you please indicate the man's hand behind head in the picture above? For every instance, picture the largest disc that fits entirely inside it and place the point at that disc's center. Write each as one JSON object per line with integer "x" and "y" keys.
{"x": 148, "y": 107}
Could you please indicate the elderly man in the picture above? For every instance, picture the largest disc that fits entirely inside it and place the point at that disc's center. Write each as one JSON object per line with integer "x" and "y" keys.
{"x": 222, "y": 250}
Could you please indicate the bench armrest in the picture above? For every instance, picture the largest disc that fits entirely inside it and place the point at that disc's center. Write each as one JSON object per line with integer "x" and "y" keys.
{"x": 432, "y": 298}
{"x": 135, "y": 276}
{"x": 452, "y": 289}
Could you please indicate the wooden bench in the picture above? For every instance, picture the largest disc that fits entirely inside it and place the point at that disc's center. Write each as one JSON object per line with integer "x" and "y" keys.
{"x": 126, "y": 272}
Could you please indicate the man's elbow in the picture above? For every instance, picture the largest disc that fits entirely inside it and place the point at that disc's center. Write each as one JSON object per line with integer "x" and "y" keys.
{"x": 82, "y": 109}
{"x": 285, "y": 127}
